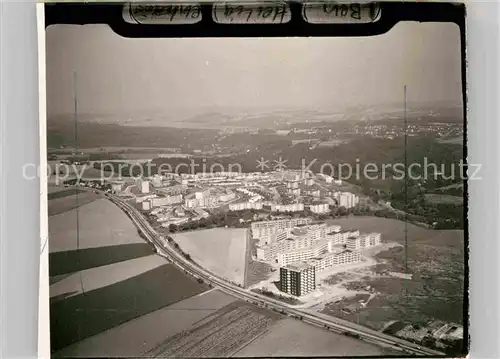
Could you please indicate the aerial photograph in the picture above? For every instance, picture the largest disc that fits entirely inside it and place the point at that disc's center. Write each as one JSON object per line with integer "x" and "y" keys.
{"x": 256, "y": 197}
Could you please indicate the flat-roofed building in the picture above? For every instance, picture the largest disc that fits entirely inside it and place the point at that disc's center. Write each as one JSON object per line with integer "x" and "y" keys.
{"x": 302, "y": 254}
{"x": 166, "y": 201}
{"x": 333, "y": 228}
{"x": 298, "y": 279}
{"x": 342, "y": 236}
{"x": 332, "y": 259}
{"x": 363, "y": 241}
{"x": 320, "y": 208}
{"x": 267, "y": 228}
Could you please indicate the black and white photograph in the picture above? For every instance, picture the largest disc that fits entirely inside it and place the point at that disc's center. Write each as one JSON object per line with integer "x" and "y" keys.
{"x": 256, "y": 196}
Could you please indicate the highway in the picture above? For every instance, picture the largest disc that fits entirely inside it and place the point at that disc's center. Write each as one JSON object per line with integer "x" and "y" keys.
{"x": 337, "y": 325}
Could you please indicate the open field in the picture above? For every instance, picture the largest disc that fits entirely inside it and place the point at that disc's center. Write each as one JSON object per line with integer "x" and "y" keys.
{"x": 99, "y": 277}
{"x": 435, "y": 260}
{"x": 52, "y": 190}
{"x": 222, "y": 251}
{"x": 219, "y": 335}
{"x": 65, "y": 262}
{"x": 81, "y": 316}
{"x": 290, "y": 337}
{"x": 67, "y": 202}
{"x": 101, "y": 224}
{"x": 148, "y": 331}
{"x": 394, "y": 231}
{"x": 443, "y": 199}
{"x": 459, "y": 140}
{"x": 257, "y": 272}
{"x": 64, "y": 193}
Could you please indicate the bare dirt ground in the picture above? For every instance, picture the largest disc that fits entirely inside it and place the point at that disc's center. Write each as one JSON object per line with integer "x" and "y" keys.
{"x": 101, "y": 223}
{"x": 221, "y": 251}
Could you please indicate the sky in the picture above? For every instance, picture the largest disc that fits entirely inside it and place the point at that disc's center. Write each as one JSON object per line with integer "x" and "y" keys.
{"x": 117, "y": 75}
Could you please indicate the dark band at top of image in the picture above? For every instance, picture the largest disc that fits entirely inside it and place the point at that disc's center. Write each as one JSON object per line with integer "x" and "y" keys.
{"x": 252, "y": 13}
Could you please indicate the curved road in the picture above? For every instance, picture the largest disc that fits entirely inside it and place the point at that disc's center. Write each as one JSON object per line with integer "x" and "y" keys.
{"x": 338, "y": 325}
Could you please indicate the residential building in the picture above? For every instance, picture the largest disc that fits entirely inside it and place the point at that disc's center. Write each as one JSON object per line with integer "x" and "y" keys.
{"x": 116, "y": 187}
{"x": 146, "y": 205}
{"x": 142, "y": 185}
{"x": 157, "y": 181}
{"x": 298, "y": 279}
{"x": 346, "y": 199}
{"x": 363, "y": 241}
{"x": 309, "y": 181}
{"x": 333, "y": 228}
{"x": 320, "y": 208}
{"x": 266, "y": 228}
{"x": 300, "y": 255}
{"x": 241, "y": 206}
{"x": 329, "y": 260}
{"x": 140, "y": 199}
{"x": 341, "y": 237}
{"x": 166, "y": 201}
{"x": 172, "y": 190}
{"x": 295, "y": 207}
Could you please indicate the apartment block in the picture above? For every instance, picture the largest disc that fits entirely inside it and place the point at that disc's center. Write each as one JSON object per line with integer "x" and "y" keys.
{"x": 166, "y": 201}
{"x": 298, "y": 279}
{"x": 342, "y": 236}
{"x": 332, "y": 259}
{"x": 363, "y": 241}
{"x": 267, "y": 228}
{"x": 346, "y": 199}
{"x": 302, "y": 254}
{"x": 320, "y": 208}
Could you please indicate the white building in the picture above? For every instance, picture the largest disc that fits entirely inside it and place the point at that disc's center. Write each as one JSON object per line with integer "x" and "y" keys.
{"x": 157, "y": 181}
{"x": 342, "y": 236}
{"x": 166, "y": 201}
{"x": 363, "y": 241}
{"x": 140, "y": 199}
{"x": 267, "y": 228}
{"x": 202, "y": 194}
{"x": 309, "y": 181}
{"x": 228, "y": 196}
{"x": 116, "y": 187}
{"x": 300, "y": 255}
{"x": 346, "y": 199}
{"x": 241, "y": 206}
{"x": 146, "y": 205}
{"x": 320, "y": 208}
{"x": 142, "y": 185}
{"x": 332, "y": 259}
{"x": 294, "y": 207}
{"x": 333, "y": 228}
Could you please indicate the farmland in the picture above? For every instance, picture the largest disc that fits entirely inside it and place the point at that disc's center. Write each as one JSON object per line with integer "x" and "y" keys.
{"x": 81, "y": 316}
{"x": 290, "y": 337}
{"x": 220, "y": 334}
{"x": 64, "y": 202}
{"x": 147, "y": 331}
{"x": 444, "y": 198}
{"x": 101, "y": 223}
{"x": 222, "y": 251}
{"x": 99, "y": 277}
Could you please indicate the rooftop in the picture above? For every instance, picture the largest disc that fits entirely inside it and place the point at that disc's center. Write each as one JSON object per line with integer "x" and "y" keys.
{"x": 300, "y": 266}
